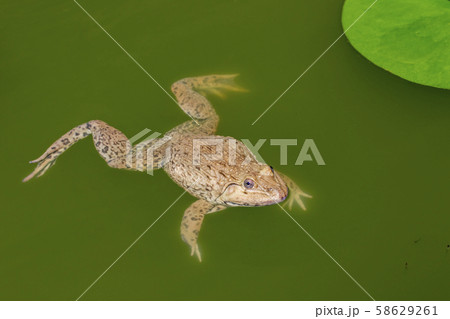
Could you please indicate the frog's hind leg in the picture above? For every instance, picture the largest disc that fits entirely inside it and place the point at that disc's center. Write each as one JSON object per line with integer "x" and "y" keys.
{"x": 192, "y": 222}
{"x": 112, "y": 145}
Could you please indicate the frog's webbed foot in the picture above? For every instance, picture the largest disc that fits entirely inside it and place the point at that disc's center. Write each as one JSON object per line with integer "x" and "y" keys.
{"x": 295, "y": 193}
{"x": 43, "y": 164}
{"x": 216, "y": 84}
{"x": 295, "y": 196}
{"x": 192, "y": 222}
{"x": 48, "y": 159}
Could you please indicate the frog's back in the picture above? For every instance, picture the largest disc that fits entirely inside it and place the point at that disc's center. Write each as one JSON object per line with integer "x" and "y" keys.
{"x": 205, "y": 164}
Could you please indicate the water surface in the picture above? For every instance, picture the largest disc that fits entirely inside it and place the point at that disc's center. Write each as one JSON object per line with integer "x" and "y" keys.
{"x": 379, "y": 203}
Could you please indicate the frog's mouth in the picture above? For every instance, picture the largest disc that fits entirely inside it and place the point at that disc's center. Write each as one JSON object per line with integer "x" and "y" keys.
{"x": 235, "y": 204}
{"x": 266, "y": 203}
{"x": 247, "y": 204}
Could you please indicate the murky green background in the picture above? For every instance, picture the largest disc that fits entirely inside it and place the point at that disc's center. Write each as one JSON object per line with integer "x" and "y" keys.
{"x": 381, "y": 201}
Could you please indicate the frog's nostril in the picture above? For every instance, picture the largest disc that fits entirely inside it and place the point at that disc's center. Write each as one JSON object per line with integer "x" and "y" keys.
{"x": 278, "y": 195}
{"x": 282, "y": 195}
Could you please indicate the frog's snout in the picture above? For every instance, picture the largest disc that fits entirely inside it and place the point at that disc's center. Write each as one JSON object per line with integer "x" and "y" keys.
{"x": 277, "y": 195}
{"x": 282, "y": 194}
{"x": 281, "y": 191}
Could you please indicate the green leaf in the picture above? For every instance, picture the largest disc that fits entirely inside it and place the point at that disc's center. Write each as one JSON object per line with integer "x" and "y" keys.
{"x": 410, "y": 38}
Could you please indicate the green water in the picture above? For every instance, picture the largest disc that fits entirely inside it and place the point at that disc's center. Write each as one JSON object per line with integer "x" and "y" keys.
{"x": 380, "y": 202}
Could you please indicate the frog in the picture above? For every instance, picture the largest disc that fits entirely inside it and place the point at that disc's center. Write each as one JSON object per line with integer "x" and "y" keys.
{"x": 188, "y": 154}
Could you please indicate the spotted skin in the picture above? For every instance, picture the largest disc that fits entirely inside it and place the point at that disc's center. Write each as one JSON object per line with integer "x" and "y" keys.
{"x": 216, "y": 182}
{"x": 112, "y": 145}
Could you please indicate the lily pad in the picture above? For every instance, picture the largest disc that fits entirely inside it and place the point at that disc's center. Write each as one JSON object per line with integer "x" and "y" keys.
{"x": 410, "y": 38}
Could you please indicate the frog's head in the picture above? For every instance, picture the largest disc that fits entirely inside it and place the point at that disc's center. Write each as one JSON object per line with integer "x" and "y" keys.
{"x": 258, "y": 185}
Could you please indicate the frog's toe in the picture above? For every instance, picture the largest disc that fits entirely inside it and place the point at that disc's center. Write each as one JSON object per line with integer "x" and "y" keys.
{"x": 196, "y": 251}
{"x": 299, "y": 201}
{"x": 216, "y": 84}
{"x": 234, "y": 87}
{"x": 296, "y": 197}
{"x": 42, "y": 166}
{"x": 215, "y": 92}
{"x": 289, "y": 202}
{"x": 226, "y": 82}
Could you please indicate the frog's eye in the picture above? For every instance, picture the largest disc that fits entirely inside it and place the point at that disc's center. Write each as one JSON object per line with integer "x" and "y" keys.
{"x": 249, "y": 183}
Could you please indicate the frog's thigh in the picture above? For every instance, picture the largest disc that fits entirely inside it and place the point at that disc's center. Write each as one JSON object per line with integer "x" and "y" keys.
{"x": 192, "y": 222}
{"x": 110, "y": 143}
{"x": 117, "y": 151}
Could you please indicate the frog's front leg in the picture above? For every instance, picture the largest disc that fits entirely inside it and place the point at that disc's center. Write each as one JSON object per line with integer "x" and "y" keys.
{"x": 192, "y": 222}
{"x": 295, "y": 193}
